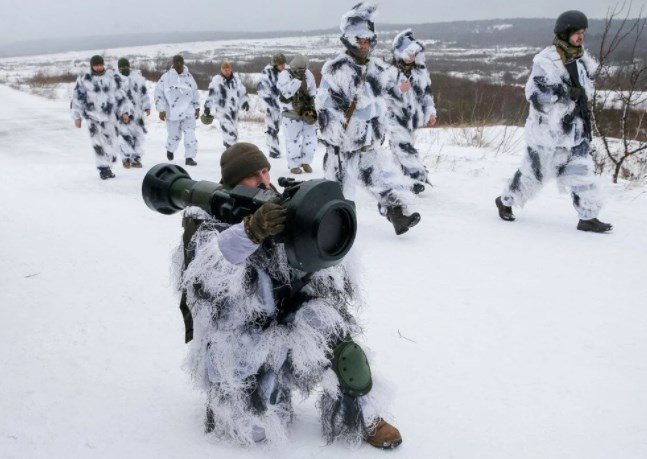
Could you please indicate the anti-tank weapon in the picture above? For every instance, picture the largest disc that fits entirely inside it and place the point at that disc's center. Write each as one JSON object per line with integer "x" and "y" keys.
{"x": 320, "y": 226}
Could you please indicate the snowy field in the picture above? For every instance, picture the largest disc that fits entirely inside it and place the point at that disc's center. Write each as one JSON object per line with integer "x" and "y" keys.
{"x": 500, "y": 340}
{"x": 14, "y": 70}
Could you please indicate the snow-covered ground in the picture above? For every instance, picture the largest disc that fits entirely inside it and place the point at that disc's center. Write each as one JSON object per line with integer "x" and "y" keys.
{"x": 14, "y": 70}
{"x": 500, "y": 340}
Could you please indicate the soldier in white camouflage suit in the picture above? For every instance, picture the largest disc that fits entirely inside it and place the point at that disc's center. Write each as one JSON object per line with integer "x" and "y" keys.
{"x": 178, "y": 103}
{"x": 410, "y": 104}
{"x": 227, "y": 96}
{"x": 262, "y": 331}
{"x": 352, "y": 120}
{"x": 133, "y": 134}
{"x": 268, "y": 91}
{"x": 297, "y": 90}
{"x": 558, "y": 128}
{"x": 99, "y": 99}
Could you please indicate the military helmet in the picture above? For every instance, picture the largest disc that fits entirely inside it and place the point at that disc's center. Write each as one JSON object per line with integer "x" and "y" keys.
{"x": 299, "y": 62}
{"x": 278, "y": 59}
{"x": 570, "y": 21}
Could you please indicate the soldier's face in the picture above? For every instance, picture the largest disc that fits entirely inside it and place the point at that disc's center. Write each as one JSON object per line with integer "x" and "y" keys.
{"x": 261, "y": 176}
{"x": 280, "y": 67}
{"x": 226, "y": 72}
{"x": 577, "y": 37}
{"x": 99, "y": 68}
{"x": 179, "y": 67}
{"x": 364, "y": 46}
{"x": 409, "y": 60}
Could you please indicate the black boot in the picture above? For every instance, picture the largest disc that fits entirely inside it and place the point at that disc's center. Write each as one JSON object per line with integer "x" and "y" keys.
{"x": 105, "y": 173}
{"x": 401, "y": 222}
{"x": 169, "y": 155}
{"x": 209, "y": 422}
{"x": 594, "y": 225}
{"x": 418, "y": 188}
{"x": 505, "y": 212}
{"x": 190, "y": 162}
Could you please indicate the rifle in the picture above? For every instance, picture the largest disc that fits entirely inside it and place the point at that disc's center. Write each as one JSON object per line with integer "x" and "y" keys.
{"x": 353, "y": 105}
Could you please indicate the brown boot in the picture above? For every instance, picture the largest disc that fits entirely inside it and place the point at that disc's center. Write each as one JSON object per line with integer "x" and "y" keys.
{"x": 383, "y": 435}
{"x": 296, "y": 170}
{"x": 126, "y": 163}
{"x": 136, "y": 163}
{"x": 307, "y": 168}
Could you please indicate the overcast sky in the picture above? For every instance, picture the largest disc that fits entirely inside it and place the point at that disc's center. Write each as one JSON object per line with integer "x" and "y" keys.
{"x": 36, "y": 19}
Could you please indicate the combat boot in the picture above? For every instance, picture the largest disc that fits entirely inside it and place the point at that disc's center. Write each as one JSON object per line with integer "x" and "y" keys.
{"x": 401, "y": 222}
{"x": 190, "y": 162}
{"x": 505, "y": 212}
{"x": 136, "y": 163}
{"x": 169, "y": 155}
{"x": 126, "y": 163}
{"x": 594, "y": 225}
{"x": 383, "y": 435}
{"x": 307, "y": 168}
{"x": 296, "y": 170}
{"x": 105, "y": 173}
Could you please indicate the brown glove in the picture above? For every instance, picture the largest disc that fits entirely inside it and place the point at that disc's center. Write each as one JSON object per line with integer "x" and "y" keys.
{"x": 268, "y": 220}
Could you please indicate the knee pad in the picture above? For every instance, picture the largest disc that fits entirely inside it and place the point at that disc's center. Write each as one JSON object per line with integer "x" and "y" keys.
{"x": 351, "y": 367}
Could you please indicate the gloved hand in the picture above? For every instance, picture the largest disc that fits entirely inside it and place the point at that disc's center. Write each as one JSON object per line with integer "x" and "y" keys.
{"x": 574, "y": 92}
{"x": 197, "y": 113}
{"x": 245, "y": 106}
{"x": 268, "y": 220}
{"x": 163, "y": 116}
{"x": 207, "y": 111}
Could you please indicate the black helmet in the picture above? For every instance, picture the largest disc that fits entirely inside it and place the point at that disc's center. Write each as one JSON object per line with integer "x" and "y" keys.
{"x": 569, "y": 22}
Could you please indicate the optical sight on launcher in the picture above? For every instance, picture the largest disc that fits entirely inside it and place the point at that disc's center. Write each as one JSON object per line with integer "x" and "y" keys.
{"x": 320, "y": 227}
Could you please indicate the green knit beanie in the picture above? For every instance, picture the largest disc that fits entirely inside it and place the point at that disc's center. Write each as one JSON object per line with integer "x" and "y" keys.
{"x": 239, "y": 161}
{"x": 123, "y": 62}
{"x": 96, "y": 60}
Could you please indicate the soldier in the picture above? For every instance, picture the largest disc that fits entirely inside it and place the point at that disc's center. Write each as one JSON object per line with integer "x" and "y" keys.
{"x": 133, "y": 134}
{"x": 558, "y": 128}
{"x": 268, "y": 91}
{"x": 178, "y": 103}
{"x": 410, "y": 104}
{"x": 99, "y": 99}
{"x": 262, "y": 329}
{"x": 352, "y": 120}
{"x": 297, "y": 90}
{"x": 227, "y": 96}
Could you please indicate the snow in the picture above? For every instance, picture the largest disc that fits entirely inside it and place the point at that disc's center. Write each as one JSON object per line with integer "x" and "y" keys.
{"x": 501, "y": 340}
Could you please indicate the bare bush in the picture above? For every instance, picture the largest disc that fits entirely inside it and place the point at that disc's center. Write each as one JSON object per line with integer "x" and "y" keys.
{"x": 41, "y": 79}
{"x": 626, "y": 119}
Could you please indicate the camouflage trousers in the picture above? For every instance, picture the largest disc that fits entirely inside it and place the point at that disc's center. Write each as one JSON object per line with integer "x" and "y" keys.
{"x": 103, "y": 135}
{"x": 572, "y": 169}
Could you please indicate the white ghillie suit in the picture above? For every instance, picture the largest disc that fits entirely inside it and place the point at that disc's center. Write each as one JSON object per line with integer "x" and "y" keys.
{"x": 178, "y": 96}
{"x": 246, "y": 355}
{"x": 300, "y": 137}
{"x": 133, "y": 134}
{"x": 411, "y": 109}
{"x": 226, "y": 98}
{"x": 268, "y": 91}
{"x": 100, "y": 100}
{"x": 558, "y": 145}
{"x": 353, "y": 150}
